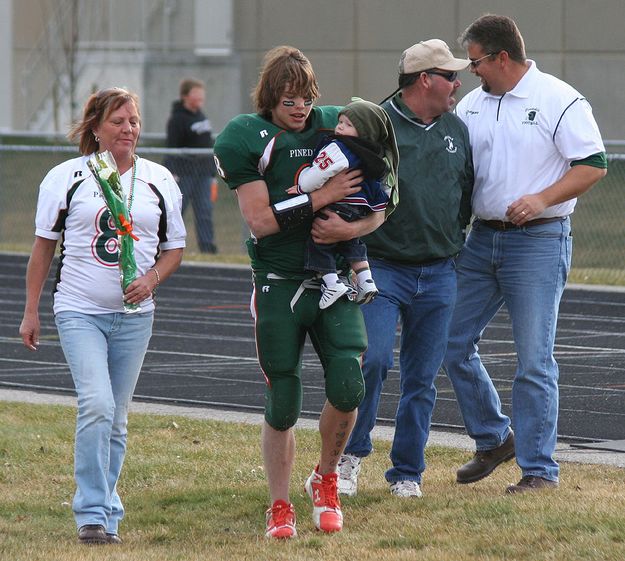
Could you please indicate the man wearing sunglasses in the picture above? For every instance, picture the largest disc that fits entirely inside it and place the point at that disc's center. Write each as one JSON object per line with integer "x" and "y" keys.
{"x": 411, "y": 258}
{"x": 536, "y": 147}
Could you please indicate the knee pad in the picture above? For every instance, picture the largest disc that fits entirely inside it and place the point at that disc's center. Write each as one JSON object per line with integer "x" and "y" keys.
{"x": 345, "y": 386}
{"x": 283, "y": 402}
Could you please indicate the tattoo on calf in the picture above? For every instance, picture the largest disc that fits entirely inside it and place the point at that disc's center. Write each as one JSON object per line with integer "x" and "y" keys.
{"x": 339, "y": 440}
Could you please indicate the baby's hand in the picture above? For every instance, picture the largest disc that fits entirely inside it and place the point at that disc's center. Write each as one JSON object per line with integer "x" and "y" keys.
{"x": 292, "y": 190}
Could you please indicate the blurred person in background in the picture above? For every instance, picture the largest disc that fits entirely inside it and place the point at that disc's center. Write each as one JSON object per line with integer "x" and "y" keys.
{"x": 104, "y": 346}
{"x": 188, "y": 127}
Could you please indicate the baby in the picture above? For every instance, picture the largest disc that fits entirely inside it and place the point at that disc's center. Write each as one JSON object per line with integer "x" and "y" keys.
{"x": 363, "y": 138}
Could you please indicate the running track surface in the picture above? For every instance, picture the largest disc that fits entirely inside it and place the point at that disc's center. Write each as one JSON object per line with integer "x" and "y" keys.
{"x": 203, "y": 353}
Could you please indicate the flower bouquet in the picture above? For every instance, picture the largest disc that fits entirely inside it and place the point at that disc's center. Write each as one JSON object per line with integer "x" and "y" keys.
{"x": 105, "y": 171}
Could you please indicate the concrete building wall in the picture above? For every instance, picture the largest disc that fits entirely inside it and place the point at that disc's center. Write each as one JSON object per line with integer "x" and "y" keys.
{"x": 354, "y": 46}
{"x": 6, "y": 63}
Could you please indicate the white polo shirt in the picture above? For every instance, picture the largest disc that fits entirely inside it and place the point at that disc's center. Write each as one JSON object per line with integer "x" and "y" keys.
{"x": 525, "y": 140}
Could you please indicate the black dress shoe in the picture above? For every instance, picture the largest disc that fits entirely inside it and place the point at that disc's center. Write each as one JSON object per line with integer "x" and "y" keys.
{"x": 92, "y": 534}
{"x": 531, "y": 483}
{"x": 113, "y": 539}
{"x": 484, "y": 462}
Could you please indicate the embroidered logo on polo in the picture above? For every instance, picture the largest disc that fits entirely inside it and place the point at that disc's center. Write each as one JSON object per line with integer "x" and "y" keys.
{"x": 531, "y": 115}
{"x": 451, "y": 147}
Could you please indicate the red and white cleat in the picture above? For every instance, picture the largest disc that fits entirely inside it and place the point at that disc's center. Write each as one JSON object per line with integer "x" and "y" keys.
{"x": 323, "y": 491}
{"x": 281, "y": 521}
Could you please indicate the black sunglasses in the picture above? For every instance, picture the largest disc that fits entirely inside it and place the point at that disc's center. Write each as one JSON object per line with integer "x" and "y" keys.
{"x": 449, "y": 76}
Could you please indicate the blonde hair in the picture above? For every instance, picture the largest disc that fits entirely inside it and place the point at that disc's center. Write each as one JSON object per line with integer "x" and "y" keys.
{"x": 283, "y": 68}
{"x": 96, "y": 110}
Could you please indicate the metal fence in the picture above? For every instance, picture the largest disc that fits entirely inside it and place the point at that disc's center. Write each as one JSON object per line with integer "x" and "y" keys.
{"x": 22, "y": 169}
{"x": 598, "y": 221}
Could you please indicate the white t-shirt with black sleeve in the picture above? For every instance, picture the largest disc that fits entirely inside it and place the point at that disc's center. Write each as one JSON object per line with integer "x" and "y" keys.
{"x": 70, "y": 208}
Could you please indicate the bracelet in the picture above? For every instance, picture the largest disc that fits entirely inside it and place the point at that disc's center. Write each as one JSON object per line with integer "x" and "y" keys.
{"x": 158, "y": 277}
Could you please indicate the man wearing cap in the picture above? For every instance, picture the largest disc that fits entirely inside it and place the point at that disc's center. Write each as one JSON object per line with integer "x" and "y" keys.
{"x": 536, "y": 147}
{"x": 412, "y": 259}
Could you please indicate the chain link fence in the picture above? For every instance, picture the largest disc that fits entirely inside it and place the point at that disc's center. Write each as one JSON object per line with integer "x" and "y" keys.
{"x": 23, "y": 167}
{"x": 598, "y": 221}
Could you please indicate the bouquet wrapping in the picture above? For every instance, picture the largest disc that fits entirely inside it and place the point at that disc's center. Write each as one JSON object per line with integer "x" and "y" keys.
{"x": 105, "y": 171}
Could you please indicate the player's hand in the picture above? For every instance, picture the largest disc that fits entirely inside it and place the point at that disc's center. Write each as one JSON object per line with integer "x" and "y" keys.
{"x": 343, "y": 184}
{"x": 329, "y": 227}
{"x": 292, "y": 190}
{"x": 525, "y": 209}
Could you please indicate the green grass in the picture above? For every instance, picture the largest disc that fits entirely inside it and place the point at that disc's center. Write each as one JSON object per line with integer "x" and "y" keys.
{"x": 195, "y": 490}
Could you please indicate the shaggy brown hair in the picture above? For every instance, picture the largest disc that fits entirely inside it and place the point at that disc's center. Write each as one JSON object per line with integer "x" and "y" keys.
{"x": 284, "y": 69}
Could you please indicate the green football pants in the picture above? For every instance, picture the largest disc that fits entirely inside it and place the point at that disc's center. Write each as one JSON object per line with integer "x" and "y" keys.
{"x": 337, "y": 333}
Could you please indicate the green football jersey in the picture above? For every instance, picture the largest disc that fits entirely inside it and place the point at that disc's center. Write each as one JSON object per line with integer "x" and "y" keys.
{"x": 252, "y": 148}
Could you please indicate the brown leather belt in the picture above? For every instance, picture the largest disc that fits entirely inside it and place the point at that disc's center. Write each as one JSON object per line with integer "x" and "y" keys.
{"x": 501, "y": 225}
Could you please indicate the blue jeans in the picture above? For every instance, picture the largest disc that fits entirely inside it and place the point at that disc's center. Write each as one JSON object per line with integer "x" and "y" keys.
{"x": 525, "y": 269}
{"x": 105, "y": 353}
{"x": 321, "y": 257}
{"x": 423, "y": 298}
{"x": 196, "y": 189}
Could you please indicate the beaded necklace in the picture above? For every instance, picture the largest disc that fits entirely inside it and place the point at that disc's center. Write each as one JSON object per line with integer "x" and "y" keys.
{"x": 131, "y": 193}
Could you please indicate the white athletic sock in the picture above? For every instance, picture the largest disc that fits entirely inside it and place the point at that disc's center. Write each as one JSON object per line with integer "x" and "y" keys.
{"x": 330, "y": 279}
{"x": 363, "y": 276}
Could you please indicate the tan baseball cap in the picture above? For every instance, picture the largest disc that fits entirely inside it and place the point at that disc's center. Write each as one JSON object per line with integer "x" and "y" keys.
{"x": 425, "y": 55}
